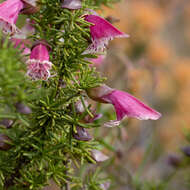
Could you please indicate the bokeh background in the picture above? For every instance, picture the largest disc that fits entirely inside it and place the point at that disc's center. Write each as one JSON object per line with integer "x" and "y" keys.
{"x": 154, "y": 65}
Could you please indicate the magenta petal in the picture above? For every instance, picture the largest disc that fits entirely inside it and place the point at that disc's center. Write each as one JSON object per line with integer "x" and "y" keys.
{"x": 72, "y": 4}
{"x": 39, "y": 64}
{"x": 101, "y": 32}
{"x": 40, "y": 52}
{"x": 127, "y": 105}
{"x": 9, "y": 11}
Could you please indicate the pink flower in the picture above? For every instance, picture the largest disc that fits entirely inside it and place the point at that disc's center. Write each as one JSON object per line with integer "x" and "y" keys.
{"x": 124, "y": 103}
{"x": 101, "y": 32}
{"x": 9, "y": 11}
{"x": 39, "y": 64}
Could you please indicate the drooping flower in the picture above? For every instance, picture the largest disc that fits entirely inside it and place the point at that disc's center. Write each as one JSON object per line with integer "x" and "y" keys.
{"x": 39, "y": 64}
{"x": 124, "y": 103}
{"x": 79, "y": 106}
{"x": 9, "y": 11}
{"x": 101, "y": 32}
{"x": 22, "y": 108}
{"x": 72, "y": 4}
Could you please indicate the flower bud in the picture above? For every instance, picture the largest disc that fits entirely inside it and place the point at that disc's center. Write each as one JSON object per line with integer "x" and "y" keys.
{"x": 186, "y": 150}
{"x": 21, "y": 108}
{"x": 82, "y": 134}
{"x": 174, "y": 160}
{"x": 72, "y": 4}
{"x": 6, "y": 122}
{"x": 124, "y": 103}
{"x": 3, "y": 142}
{"x": 79, "y": 106}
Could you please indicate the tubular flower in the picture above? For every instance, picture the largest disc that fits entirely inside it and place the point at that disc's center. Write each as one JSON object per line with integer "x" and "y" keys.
{"x": 124, "y": 103}
{"x": 9, "y": 11}
{"x": 39, "y": 64}
{"x": 101, "y": 32}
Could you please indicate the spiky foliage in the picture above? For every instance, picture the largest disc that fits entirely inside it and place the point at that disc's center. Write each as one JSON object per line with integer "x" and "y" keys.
{"x": 42, "y": 146}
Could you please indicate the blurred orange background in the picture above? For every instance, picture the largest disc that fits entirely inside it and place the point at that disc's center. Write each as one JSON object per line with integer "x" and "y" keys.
{"x": 154, "y": 65}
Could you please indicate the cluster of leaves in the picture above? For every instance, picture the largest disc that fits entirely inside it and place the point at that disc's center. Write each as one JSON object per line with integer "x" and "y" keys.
{"x": 42, "y": 146}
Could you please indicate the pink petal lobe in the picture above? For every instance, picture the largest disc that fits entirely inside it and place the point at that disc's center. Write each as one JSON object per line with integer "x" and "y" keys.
{"x": 40, "y": 52}
{"x": 101, "y": 32}
{"x": 127, "y": 105}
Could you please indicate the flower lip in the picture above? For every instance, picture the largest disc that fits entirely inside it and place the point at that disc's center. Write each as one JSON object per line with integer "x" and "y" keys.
{"x": 38, "y": 65}
{"x": 127, "y": 105}
{"x": 124, "y": 104}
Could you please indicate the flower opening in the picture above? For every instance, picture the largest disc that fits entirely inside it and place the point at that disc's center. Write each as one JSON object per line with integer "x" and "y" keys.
{"x": 39, "y": 64}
